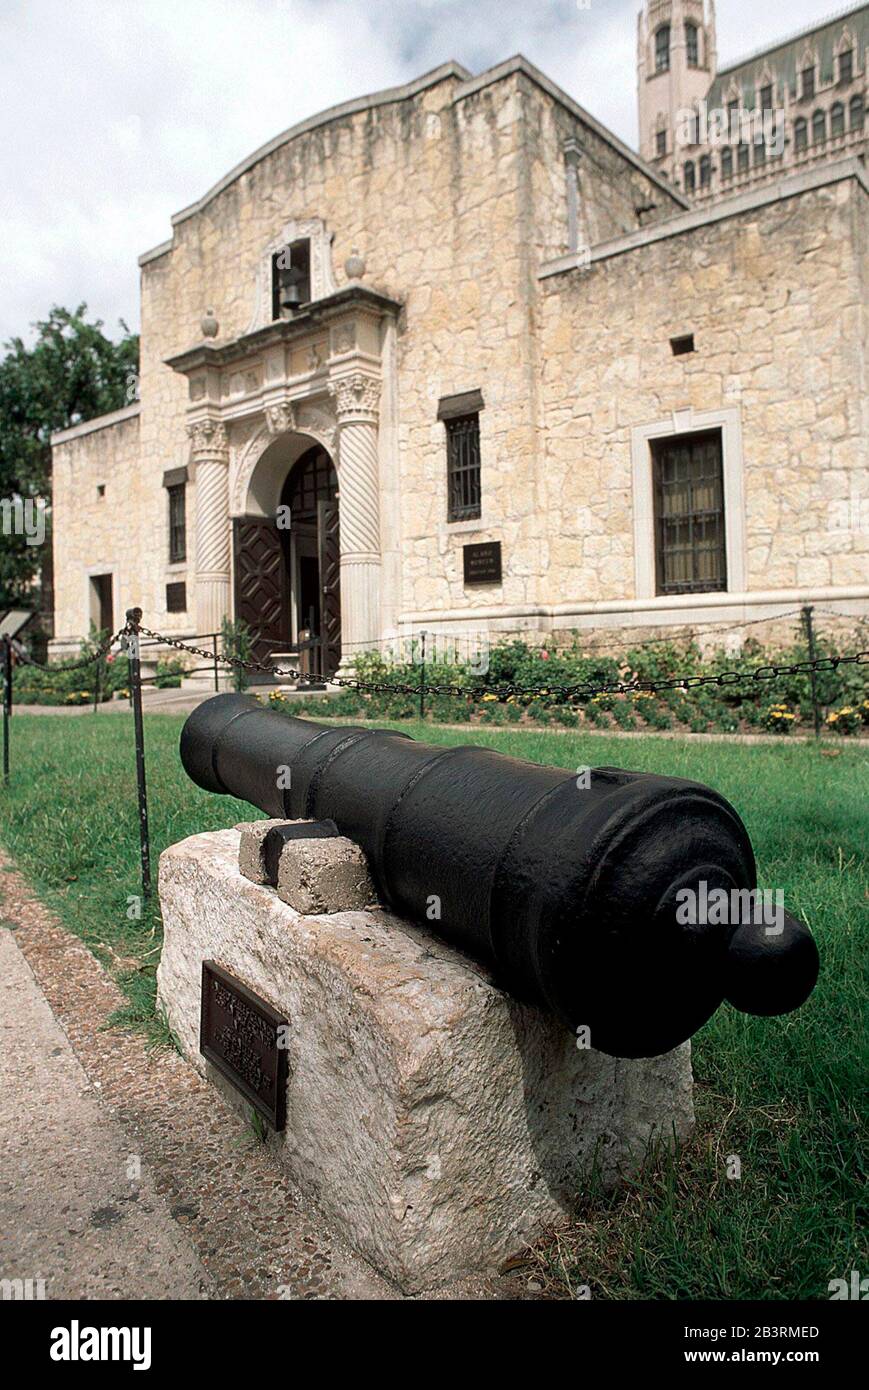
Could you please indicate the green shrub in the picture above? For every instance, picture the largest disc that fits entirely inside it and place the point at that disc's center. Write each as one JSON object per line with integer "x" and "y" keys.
{"x": 169, "y": 673}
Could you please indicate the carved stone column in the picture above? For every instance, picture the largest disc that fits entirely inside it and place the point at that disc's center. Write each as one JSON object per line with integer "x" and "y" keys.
{"x": 356, "y": 400}
{"x": 213, "y": 549}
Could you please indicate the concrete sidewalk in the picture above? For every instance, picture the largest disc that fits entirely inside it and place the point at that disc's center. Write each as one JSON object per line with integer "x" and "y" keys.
{"x": 77, "y": 1208}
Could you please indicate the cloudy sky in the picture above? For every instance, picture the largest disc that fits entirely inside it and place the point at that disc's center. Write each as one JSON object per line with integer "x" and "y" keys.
{"x": 117, "y": 113}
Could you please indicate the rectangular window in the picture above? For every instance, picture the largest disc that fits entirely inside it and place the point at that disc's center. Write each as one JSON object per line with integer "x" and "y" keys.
{"x": 661, "y": 143}
{"x": 463, "y": 467}
{"x": 176, "y": 598}
{"x": 689, "y": 513}
{"x": 808, "y": 82}
{"x": 177, "y": 523}
{"x": 846, "y": 66}
{"x": 765, "y": 99}
{"x": 742, "y": 158}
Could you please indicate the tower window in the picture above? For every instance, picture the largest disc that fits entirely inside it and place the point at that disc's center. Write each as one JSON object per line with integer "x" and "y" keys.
{"x": 691, "y": 45}
{"x": 760, "y": 153}
{"x": 807, "y": 79}
{"x": 662, "y": 48}
{"x": 846, "y": 66}
{"x": 742, "y": 159}
{"x": 726, "y": 162}
{"x": 688, "y": 176}
{"x": 819, "y": 128}
{"x": 660, "y": 143}
{"x": 856, "y": 112}
{"x": 837, "y": 119}
{"x": 801, "y": 134}
{"x": 765, "y": 101}
{"x": 291, "y": 277}
{"x": 705, "y": 171}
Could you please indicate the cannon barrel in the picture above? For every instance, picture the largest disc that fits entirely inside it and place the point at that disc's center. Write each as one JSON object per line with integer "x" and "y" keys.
{"x": 570, "y": 889}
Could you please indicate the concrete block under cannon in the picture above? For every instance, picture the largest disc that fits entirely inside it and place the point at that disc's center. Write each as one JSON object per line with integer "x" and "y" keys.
{"x": 572, "y": 894}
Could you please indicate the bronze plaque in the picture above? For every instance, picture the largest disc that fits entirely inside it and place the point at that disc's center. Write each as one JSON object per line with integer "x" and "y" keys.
{"x": 482, "y": 563}
{"x": 239, "y": 1034}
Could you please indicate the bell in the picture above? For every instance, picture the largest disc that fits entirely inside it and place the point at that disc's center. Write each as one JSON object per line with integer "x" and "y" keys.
{"x": 289, "y": 283}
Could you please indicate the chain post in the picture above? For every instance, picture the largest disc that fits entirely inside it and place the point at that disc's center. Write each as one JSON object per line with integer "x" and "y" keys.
{"x": 7, "y": 704}
{"x": 97, "y": 682}
{"x": 810, "y": 641}
{"x": 134, "y": 617}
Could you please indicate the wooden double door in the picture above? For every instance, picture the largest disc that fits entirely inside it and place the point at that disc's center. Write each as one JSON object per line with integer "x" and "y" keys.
{"x": 288, "y": 578}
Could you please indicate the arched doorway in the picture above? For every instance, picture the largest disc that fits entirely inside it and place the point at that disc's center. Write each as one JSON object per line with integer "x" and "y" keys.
{"x": 287, "y": 576}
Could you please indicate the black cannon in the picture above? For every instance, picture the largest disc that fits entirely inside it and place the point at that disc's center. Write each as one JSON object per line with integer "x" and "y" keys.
{"x": 575, "y": 890}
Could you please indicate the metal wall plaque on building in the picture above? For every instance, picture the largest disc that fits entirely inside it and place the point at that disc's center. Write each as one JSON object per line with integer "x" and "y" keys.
{"x": 482, "y": 563}
{"x": 239, "y": 1034}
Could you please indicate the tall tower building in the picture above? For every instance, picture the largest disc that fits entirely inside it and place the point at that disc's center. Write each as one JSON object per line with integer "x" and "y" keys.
{"x": 676, "y": 65}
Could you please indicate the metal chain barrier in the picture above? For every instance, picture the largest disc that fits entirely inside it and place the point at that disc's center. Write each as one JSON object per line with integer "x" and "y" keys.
{"x": 554, "y": 691}
{"x": 61, "y": 668}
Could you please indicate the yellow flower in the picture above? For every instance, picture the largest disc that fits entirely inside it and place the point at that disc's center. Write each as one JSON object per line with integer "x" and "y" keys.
{"x": 490, "y": 697}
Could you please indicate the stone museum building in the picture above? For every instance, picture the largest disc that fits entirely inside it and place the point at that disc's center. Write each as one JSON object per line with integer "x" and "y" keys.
{"x": 453, "y": 357}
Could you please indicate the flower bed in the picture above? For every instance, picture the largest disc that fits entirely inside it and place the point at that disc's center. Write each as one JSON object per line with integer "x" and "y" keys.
{"x": 781, "y": 706}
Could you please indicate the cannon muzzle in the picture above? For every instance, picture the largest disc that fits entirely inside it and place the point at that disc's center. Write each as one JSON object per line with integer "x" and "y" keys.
{"x": 623, "y": 902}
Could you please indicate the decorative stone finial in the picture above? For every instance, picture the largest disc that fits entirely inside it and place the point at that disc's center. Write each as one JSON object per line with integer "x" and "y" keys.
{"x": 209, "y": 324}
{"x": 354, "y": 265}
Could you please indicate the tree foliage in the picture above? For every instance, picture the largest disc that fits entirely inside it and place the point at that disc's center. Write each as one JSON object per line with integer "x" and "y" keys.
{"x": 71, "y": 373}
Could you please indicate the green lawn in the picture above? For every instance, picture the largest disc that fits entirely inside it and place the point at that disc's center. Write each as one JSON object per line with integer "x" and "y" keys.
{"x": 781, "y": 1094}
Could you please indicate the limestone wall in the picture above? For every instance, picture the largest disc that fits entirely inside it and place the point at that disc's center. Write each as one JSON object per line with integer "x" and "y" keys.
{"x": 776, "y": 300}
{"x": 93, "y": 533}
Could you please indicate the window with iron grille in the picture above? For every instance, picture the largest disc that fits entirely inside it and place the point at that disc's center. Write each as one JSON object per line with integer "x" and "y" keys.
{"x": 689, "y": 513}
{"x": 463, "y": 467}
{"x": 177, "y": 524}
